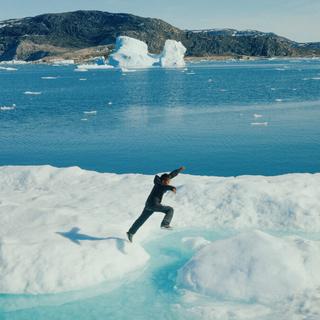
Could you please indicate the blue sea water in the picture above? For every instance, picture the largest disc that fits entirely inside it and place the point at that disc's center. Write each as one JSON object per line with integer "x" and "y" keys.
{"x": 157, "y": 119}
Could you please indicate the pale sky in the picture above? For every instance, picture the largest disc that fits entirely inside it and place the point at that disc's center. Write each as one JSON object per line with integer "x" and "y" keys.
{"x": 298, "y": 20}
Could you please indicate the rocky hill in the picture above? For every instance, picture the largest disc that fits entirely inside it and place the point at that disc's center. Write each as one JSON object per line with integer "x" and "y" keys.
{"x": 82, "y": 34}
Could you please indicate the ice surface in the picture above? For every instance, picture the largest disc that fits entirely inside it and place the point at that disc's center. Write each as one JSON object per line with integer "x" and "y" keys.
{"x": 131, "y": 53}
{"x": 254, "y": 266}
{"x": 64, "y": 229}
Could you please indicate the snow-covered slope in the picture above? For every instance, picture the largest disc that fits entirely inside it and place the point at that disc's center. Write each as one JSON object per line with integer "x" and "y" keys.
{"x": 64, "y": 229}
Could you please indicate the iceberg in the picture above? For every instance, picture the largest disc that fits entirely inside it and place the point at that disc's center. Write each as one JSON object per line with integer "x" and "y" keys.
{"x": 172, "y": 54}
{"x": 131, "y": 53}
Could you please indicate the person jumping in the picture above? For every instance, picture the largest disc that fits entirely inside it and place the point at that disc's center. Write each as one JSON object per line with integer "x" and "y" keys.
{"x": 153, "y": 203}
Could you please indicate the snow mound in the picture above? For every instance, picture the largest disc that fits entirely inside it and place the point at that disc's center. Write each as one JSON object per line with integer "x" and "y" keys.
{"x": 51, "y": 241}
{"x": 64, "y": 261}
{"x": 254, "y": 266}
{"x": 132, "y": 53}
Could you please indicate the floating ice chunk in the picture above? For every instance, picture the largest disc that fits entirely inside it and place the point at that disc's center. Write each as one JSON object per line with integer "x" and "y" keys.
{"x": 62, "y": 62}
{"x": 258, "y": 115}
{"x": 125, "y": 70}
{"x": 82, "y": 69}
{"x": 273, "y": 89}
{"x": 84, "y": 119}
{"x": 83, "y": 79}
{"x": 254, "y": 266}
{"x": 94, "y": 112}
{"x": 259, "y": 124}
{"x": 313, "y": 78}
{"x": 8, "y": 68}
{"x": 14, "y": 62}
{"x": 210, "y": 80}
{"x": 173, "y": 54}
{"x": 35, "y": 93}
{"x": 7, "y": 108}
{"x": 279, "y": 100}
{"x": 110, "y": 103}
{"x": 49, "y": 78}
{"x": 86, "y": 67}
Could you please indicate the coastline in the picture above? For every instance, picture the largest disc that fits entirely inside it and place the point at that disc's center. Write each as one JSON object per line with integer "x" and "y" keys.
{"x": 191, "y": 59}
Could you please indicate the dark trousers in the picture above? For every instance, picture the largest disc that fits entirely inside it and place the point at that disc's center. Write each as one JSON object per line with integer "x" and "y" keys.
{"x": 148, "y": 211}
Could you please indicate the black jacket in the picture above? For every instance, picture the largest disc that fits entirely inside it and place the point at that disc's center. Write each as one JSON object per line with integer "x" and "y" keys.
{"x": 159, "y": 189}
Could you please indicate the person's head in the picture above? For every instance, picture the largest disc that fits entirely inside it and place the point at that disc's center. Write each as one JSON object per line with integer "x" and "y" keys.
{"x": 165, "y": 179}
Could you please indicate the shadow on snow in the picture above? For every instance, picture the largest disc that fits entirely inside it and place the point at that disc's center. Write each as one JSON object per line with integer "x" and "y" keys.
{"x": 74, "y": 236}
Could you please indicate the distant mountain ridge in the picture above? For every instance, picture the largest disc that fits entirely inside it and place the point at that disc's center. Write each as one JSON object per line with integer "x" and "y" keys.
{"x": 82, "y": 34}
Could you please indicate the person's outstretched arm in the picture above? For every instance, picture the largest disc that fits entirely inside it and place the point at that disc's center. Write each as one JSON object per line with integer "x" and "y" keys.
{"x": 174, "y": 173}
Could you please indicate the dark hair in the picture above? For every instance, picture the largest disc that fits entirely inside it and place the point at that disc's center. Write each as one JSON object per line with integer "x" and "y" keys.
{"x": 165, "y": 176}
